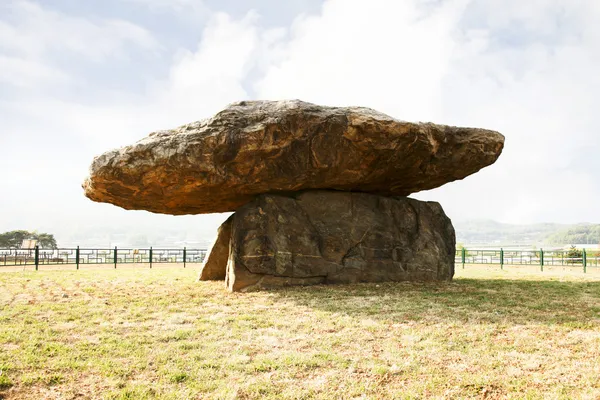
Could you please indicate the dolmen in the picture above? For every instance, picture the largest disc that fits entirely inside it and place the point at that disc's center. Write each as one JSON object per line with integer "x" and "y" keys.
{"x": 319, "y": 194}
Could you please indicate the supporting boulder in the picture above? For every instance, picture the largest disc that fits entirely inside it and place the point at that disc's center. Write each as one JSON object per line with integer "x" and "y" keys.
{"x": 338, "y": 237}
{"x": 215, "y": 264}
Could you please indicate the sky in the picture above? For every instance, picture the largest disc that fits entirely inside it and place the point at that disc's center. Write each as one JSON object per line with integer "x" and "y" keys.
{"x": 80, "y": 78}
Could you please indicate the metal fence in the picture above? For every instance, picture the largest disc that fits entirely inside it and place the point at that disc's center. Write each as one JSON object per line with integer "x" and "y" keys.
{"x": 83, "y": 256}
{"x": 568, "y": 258}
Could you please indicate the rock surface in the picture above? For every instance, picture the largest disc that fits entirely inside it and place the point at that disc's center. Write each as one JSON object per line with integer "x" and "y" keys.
{"x": 215, "y": 265}
{"x": 256, "y": 147}
{"x": 338, "y": 237}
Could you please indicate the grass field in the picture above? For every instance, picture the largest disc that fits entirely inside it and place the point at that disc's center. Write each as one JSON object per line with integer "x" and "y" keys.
{"x": 139, "y": 333}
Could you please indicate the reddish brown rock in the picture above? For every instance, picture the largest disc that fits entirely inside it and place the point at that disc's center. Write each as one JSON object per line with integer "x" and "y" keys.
{"x": 256, "y": 147}
{"x": 338, "y": 237}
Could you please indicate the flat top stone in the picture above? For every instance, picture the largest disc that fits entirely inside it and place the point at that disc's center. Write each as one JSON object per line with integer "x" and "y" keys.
{"x": 256, "y": 147}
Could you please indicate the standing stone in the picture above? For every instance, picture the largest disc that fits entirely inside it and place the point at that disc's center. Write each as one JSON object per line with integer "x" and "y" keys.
{"x": 215, "y": 265}
{"x": 338, "y": 237}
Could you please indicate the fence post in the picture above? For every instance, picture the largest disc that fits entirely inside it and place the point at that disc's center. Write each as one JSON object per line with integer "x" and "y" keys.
{"x": 184, "y": 256}
{"x": 77, "y": 257}
{"x": 584, "y": 261}
{"x": 115, "y": 257}
{"x": 36, "y": 257}
{"x": 501, "y": 258}
{"x": 150, "y": 257}
{"x": 463, "y": 256}
{"x": 542, "y": 260}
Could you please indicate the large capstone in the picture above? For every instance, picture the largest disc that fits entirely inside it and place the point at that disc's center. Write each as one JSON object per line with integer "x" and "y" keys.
{"x": 256, "y": 147}
{"x": 337, "y": 237}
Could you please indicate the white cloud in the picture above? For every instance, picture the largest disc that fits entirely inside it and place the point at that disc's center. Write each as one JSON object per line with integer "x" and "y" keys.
{"x": 203, "y": 81}
{"x": 528, "y": 70}
{"x": 199, "y": 83}
{"x": 28, "y": 74}
{"x": 179, "y": 6}
{"x": 387, "y": 55}
{"x": 36, "y": 32}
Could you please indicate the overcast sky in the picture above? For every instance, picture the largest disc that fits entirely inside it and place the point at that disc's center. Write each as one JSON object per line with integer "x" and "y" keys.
{"x": 78, "y": 78}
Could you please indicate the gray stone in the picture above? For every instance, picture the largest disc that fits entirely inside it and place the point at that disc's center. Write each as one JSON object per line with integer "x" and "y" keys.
{"x": 215, "y": 265}
{"x": 338, "y": 237}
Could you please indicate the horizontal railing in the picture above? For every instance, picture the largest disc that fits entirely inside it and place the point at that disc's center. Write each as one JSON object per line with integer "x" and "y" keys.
{"x": 84, "y": 256}
{"x": 581, "y": 258}
{"x": 78, "y": 256}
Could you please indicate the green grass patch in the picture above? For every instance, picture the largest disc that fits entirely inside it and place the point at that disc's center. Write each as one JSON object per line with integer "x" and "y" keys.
{"x": 5, "y": 382}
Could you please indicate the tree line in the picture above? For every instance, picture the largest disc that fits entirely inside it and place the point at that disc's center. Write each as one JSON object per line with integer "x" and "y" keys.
{"x": 581, "y": 234}
{"x": 14, "y": 239}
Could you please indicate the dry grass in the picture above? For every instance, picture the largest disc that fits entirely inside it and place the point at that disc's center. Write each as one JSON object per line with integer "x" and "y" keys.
{"x": 92, "y": 267}
{"x": 139, "y": 334}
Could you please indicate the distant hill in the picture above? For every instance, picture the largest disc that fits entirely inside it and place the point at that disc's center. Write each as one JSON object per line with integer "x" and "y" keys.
{"x": 492, "y": 232}
{"x": 577, "y": 234}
